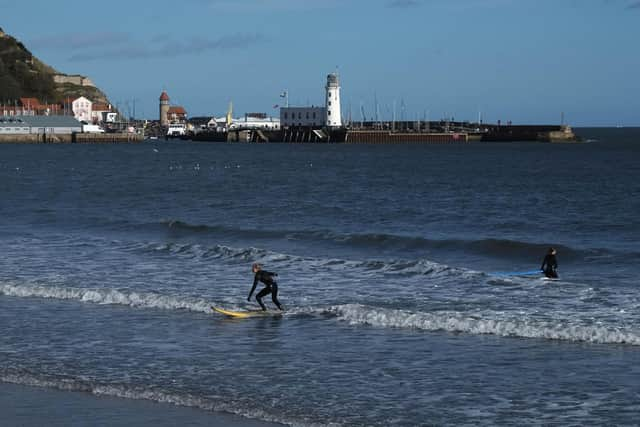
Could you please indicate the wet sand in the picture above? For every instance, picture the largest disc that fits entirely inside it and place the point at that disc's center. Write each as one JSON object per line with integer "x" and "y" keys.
{"x": 26, "y": 406}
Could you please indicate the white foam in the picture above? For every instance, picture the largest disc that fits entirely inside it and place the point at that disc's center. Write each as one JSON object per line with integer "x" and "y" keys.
{"x": 107, "y": 296}
{"x": 485, "y": 323}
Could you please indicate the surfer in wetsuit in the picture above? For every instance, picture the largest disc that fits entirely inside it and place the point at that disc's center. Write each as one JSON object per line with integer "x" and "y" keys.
{"x": 271, "y": 287}
{"x": 550, "y": 264}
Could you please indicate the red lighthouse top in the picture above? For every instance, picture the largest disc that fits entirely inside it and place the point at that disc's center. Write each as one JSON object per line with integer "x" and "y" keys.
{"x": 164, "y": 96}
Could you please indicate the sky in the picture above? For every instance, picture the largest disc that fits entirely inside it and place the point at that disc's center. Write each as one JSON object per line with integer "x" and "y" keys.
{"x": 525, "y": 61}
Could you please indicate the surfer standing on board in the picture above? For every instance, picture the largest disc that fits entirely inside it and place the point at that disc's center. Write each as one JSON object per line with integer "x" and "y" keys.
{"x": 271, "y": 287}
{"x": 550, "y": 264}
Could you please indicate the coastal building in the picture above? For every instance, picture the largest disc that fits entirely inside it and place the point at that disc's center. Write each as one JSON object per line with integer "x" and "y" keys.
{"x": 101, "y": 113}
{"x": 303, "y": 116}
{"x": 316, "y": 117}
{"x": 23, "y": 125}
{"x": 334, "y": 118}
{"x": 252, "y": 121}
{"x": 13, "y": 125}
{"x": 177, "y": 114}
{"x": 164, "y": 109}
{"x": 170, "y": 113}
{"x": 82, "y": 108}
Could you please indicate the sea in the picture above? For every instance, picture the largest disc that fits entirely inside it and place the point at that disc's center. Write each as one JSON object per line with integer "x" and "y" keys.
{"x": 397, "y": 268}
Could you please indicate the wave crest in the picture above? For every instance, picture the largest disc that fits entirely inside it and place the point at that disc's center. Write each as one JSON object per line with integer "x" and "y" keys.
{"x": 458, "y": 322}
{"x": 501, "y": 248}
{"x": 107, "y": 296}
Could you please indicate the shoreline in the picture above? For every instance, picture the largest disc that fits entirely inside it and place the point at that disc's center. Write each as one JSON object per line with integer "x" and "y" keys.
{"x": 33, "y": 406}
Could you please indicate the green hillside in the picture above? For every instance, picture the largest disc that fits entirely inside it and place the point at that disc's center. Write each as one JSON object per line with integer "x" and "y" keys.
{"x": 23, "y": 75}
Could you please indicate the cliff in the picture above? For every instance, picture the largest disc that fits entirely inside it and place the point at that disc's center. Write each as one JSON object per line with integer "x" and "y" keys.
{"x": 22, "y": 75}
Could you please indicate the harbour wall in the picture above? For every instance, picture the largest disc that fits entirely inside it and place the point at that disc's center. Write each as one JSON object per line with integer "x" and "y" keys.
{"x": 386, "y": 137}
{"x": 409, "y": 132}
{"x": 541, "y": 133}
{"x": 71, "y": 138}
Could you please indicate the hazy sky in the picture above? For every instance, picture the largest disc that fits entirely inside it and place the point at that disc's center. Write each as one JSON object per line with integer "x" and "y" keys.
{"x": 521, "y": 60}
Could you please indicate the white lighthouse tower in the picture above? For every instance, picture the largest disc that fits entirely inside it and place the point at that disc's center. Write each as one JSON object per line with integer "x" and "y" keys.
{"x": 334, "y": 115}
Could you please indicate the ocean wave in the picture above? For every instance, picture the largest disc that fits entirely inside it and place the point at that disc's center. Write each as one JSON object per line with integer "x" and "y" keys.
{"x": 177, "y": 227}
{"x": 218, "y": 404}
{"x": 202, "y": 251}
{"x": 482, "y": 324}
{"x": 501, "y": 248}
{"x": 357, "y": 314}
{"x": 394, "y": 267}
{"x": 107, "y": 296}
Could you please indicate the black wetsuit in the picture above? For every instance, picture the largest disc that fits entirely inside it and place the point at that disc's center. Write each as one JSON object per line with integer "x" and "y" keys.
{"x": 549, "y": 266}
{"x": 271, "y": 287}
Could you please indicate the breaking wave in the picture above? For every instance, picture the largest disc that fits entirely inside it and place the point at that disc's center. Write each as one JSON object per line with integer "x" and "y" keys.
{"x": 449, "y": 321}
{"x": 107, "y": 296}
{"x": 459, "y": 322}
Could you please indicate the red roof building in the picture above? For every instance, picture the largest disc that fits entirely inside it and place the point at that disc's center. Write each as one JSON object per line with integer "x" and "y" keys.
{"x": 176, "y": 113}
{"x": 31, "y": 103}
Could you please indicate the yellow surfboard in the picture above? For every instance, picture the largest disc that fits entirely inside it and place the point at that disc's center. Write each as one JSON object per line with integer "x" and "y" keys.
{"x": 245, "y": 314}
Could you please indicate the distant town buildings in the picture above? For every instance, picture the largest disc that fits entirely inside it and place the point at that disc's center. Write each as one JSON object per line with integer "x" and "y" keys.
{"x": 170, "y": 114}
{"x": 30, "y": 107}
{"x": 82, "y": 109}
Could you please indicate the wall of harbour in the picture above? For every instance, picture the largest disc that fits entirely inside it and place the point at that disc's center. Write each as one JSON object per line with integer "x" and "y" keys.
{"x": 71, "y": 138}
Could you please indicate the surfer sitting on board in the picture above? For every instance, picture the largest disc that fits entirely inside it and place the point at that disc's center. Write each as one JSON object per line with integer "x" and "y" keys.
{"x": 271, "y": 287}
{"x": 550, "y": 264}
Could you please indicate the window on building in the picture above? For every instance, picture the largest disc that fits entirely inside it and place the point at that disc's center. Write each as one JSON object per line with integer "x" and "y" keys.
{"x": 329, "y": 103}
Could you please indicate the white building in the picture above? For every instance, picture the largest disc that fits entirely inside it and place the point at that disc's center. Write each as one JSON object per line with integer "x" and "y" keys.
{"x": 316, "y": 117}
{"x": 255, "y": 122}
{"x": 334, "y": 113}
{"x": 82, "y": 108}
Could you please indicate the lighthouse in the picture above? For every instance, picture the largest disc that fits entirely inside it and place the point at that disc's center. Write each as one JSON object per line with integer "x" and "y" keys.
{"x": 334, "y": 115}
{"x": 164, "y": 109}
